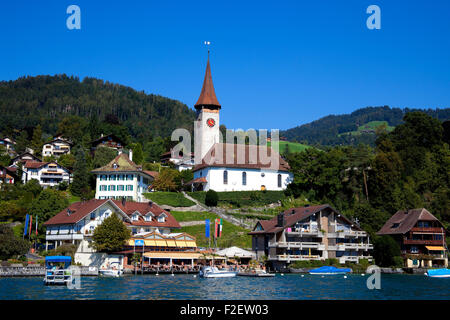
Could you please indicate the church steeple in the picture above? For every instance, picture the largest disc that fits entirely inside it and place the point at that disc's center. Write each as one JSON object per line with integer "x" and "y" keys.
{"x": 207, "y": 96}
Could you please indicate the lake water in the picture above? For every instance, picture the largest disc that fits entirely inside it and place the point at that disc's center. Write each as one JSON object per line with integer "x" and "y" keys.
{"x": 186, "y": 287}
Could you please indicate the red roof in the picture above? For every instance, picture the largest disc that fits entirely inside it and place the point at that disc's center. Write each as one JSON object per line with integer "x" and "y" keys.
{"x": 207, "y": 95}
{"x": 79, "y": 210}
{"x": 291, "y": 216}
{"x": 402, "y": 221}
{"x": 198, "y": 180}
{"x": 34, "y": 164}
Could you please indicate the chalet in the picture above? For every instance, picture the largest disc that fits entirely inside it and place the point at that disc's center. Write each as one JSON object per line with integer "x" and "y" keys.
{"x": 57, "y": 147}
{"x": 9, "y": 144}
{"x": 49, "y": 174}
{"x": 421, "y": 237}
{"x": 24, "y": 157}
{"x": 224, "y": 167}
{"x": 109, "y": 141}
{"x": 310, "y": 233}
{"x": 180, "y": 162}
{"x": 8, "y": 175}
{"x": 76, "y": 224}
{"x": 122, "y": 178}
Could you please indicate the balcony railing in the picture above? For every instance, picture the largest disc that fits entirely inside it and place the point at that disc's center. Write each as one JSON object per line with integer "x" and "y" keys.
{"x": 346, "y": 233}
{"x": 354, "y": 246}
{"x": 430, "y": 229}
{"x": 423, "y": 242}
{"x": 294, "y": 257}
{"x": 305, "y": 233}
{"x": 292, "y": 244}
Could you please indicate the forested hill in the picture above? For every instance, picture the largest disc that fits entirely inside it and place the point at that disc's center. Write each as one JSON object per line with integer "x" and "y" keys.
{"x": 46, "y": 100}
{"x": 346, "y": 129}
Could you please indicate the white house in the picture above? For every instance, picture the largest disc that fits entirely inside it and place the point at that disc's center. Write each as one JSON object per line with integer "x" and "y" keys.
{"x": 122, "y": 178}
{"x": 76, "y": 225}
{"x": 231, "y": 167}
{"x": 49, "y": 174}
{"x": 56, "y": 147}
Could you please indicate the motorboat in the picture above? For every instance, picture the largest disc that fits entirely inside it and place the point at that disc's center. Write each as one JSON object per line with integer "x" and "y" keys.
{"x": 214, "y": 272}
{"x": 111, "y": 271}
{"x": 329, "y": 270}
{"x": 438, "y": 273}
{"x": 256, "y": 273}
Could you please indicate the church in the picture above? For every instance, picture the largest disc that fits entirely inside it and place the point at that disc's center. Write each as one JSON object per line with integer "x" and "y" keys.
{"x": 227, "y": 166}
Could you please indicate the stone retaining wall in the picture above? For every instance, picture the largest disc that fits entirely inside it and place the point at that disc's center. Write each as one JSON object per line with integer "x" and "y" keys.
{"x": 39, "y": 271}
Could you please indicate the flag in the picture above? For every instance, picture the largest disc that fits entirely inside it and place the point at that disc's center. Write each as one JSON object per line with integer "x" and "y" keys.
{"x": 207, "y": 228}
{"x": 36, "y": 225}
{"x": 31, "y": 222}
{"x": 25, "y": 229}
{"x": 218, "y": 228}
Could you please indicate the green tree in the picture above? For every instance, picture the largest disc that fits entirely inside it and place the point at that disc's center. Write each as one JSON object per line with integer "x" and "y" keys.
{"x": 22, "y": 142}
{"x": 67, "y": 161}
{"x": 47, "y": 205}
{"x": 103, "y": 155}
{"x": 138, "y": 153}
{"x": 385, "y": 251}
{"x": 165, "y": 181}
{"x": 81, "y": 176}
{"x": 111, "y": 235}
{"x": 10, "y": 245}
{"x": 4, "y": 157}
{"x": 36, "y": 140}
{"x": 211, "y": 198}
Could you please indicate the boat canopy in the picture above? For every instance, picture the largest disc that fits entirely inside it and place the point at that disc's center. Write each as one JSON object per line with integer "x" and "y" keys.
{"x": 330, "y": 269}
{"x": 49, "y": 259}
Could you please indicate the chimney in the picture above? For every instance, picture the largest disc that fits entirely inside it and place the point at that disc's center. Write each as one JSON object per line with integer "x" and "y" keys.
{"x": 130, "y": 154}
{"x": 280, "y": 220}
{"x": 123, "y": 201}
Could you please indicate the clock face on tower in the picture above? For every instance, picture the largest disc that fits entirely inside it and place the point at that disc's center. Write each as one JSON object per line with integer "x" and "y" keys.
{"x": 211, "y": 122}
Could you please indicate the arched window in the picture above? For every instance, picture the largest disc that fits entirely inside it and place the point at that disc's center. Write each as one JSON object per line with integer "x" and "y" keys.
{"x": 244, "y": 178}
{"x": 279, "y": 180}
{"x": 225, "y": 177}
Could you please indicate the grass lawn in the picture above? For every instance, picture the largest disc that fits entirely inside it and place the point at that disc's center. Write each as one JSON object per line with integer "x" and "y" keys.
{"x": 369, "y": 126}
{"x": 293, "y": 146}
{"x": 174, "y": 199}
{"x": 231, "y": 235}
{"x": 237, "y": 199}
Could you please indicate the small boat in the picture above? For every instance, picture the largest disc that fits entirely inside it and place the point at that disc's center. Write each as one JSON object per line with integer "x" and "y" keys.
{"x": 111, "y": 272}
{"x": 55, "y": 273}
{"x": 256, "y": 273}
{"x": 214, "y": 272}
{"x": 329, "y": 270}
{"x": 438, "y": 273}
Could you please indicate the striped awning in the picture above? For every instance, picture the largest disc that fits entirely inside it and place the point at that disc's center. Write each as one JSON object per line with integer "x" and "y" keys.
{"x": 435, "y": 248}
{"x": 173, "y": 255}
{"x": 150, "y": 242}
{"x": 160, "y": 243}
{"x": 171, "y": 243}
{"x": 191, "y": 244}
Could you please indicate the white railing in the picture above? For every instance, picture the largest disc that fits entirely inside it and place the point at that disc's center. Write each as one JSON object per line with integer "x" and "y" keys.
{"x": 292, "y": 244}
{"x": 305, "y": 233}
{"x": 61, "y": 276}
{"x": 294, "y": 257}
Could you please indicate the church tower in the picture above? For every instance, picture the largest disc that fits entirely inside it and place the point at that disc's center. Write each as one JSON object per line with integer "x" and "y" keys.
{"x": 207, "y": 123}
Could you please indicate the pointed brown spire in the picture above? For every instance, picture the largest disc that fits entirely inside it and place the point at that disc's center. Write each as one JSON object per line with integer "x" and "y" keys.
{"x": 207, "y": 96}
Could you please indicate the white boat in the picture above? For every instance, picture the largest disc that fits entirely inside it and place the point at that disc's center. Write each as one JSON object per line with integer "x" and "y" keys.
{"x": 214, "y": 272}
{"x": 256, "y": 273}
{"x": 111, "y": 272}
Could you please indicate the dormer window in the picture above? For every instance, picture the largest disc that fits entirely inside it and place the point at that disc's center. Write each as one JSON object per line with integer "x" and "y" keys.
{"x": 115, "y": 166}
{"x": 148, "y": 218}
{"x": 135, "y": 217}
{"x": 161, "y": 218}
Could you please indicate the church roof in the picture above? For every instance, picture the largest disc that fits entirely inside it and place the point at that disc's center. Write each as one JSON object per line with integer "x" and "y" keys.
{"x": 230, "y": 157}
{"x": 207, "y": 95}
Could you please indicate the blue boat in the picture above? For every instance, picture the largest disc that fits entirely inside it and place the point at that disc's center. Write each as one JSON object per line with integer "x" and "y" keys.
{"x": 438, "y": 273}
{"x": 328, "y": 270}
{"x": 57, "y": 270}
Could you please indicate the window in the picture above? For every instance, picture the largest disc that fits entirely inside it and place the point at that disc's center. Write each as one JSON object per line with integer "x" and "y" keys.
{"x": 120, "y": 187}
{"x": 135, "y": 217}
{"x": 225, "y": 177}
{"x": 161, "y": 219}
{"x": 93, "y": 215}
{"x": 244, "y": 178}
{"x": 129, "y": 187}
{"x": 279, "y": 180}
{"x": 113, "y": 188}
{"x": 148, "y": 218}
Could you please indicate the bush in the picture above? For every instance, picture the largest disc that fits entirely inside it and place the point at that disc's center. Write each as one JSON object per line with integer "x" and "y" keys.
{"x": 211, "y": 198}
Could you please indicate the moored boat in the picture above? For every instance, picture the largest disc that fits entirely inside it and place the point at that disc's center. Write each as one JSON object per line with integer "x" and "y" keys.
{"x": 438, "y": 273}
{"x": 55, "y": 273}
{"x": 329, "y": 270}
{"x": 214, "y": 272}
{"x": 256, "y": 273}
{"x": 111, "y": 272}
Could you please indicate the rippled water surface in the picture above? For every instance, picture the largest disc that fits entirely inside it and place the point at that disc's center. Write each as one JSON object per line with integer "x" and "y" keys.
{"x": 289, "y": 286}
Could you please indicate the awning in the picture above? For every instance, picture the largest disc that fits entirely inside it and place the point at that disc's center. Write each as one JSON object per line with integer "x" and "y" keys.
{"x": 160, "y": 243}
{"x": 181, "y": 243}
{"x": 173, "y": 255}
{"x": 150, "y": 242}
{"x": 171, "y": 243}
{"x": 191, "y": 244}
{"x": 434, "y": 248}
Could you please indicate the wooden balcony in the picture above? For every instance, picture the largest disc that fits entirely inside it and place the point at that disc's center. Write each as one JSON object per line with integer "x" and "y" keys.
{"x": 430, "y": 230}
{"x": 423, "y": 242}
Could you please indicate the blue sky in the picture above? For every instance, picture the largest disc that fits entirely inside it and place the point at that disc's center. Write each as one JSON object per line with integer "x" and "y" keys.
{"x": 275, "y": 64}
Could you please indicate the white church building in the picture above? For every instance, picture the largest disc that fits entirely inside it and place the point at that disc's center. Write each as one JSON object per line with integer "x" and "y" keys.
{"x": 231, "y": 167}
